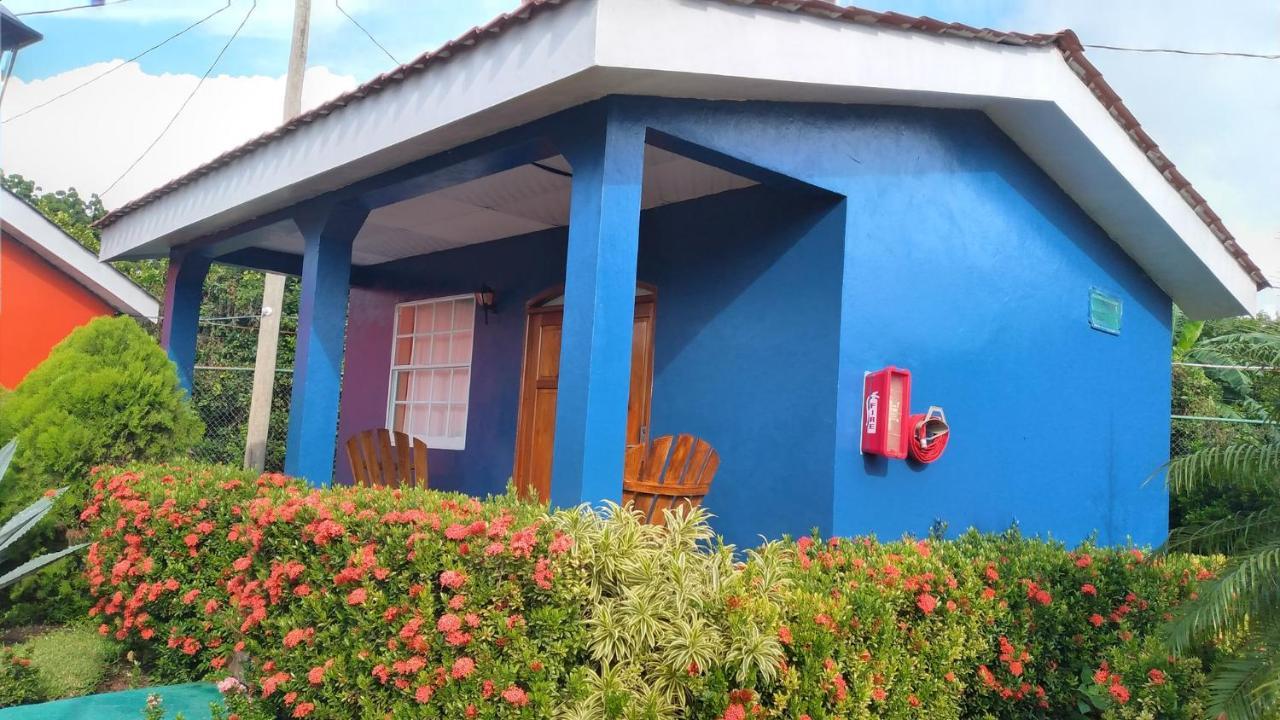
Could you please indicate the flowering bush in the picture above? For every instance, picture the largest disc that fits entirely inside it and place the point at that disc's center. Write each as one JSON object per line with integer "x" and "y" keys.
{"x": 357, "y": 602}
{"x": 19, "y": 682}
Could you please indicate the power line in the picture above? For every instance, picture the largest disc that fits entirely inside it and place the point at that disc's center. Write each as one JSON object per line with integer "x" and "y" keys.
{"x": 70, "y": 8}
{"x": 114, "y": 68}
{"x": 1174, "y": 51}
{"x": 183, "y": 106}
{"x": 367, "y": 34}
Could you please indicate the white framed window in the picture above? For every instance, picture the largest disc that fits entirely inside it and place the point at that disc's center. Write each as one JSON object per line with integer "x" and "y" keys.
{"x": 431, "y": 370}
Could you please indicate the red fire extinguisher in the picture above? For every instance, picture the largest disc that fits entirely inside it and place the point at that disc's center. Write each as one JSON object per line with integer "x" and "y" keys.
{"x": 929, "y": 435}
{"x": 886, "y": 399}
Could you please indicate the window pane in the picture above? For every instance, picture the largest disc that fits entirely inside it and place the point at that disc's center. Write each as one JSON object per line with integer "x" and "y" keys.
{"x": 457, "y": 420}
{"x": 419, "y": 419}
{"x": 421, "y": 391}
{"x": 440, "y": 385}
{"x": 461, "y": 353}
{"x": 404, "y": 351}
{"x": 424, "y": 321}
{"x": 458, "y": 391}
{"x": 440, "y": 350}
{"x": 421, "y": 350}
{"x": 404, "y": 325}
{"x": 464, "y": 314}
{"x": 443, "y": 315}
{"x": 402, "y": 385}
{"x": 438, "y": 419}
{"x": 397, "y": 423}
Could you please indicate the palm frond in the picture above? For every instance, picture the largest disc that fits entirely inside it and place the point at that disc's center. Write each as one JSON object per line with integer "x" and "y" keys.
{"x": 1233, "y": 534}
{"x": 1247, "y": 466}
{"x": 1224, "y": 602}
{"x": 1247, "y": 687}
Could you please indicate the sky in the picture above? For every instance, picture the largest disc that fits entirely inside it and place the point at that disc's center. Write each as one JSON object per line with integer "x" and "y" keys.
{"x": 1217, "y": 118}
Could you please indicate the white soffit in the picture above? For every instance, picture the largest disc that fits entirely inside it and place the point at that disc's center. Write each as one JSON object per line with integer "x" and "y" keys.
{"x": 521, "y": 200}
{"x": 698, "y": 49}
{"x": 37, "y": 233}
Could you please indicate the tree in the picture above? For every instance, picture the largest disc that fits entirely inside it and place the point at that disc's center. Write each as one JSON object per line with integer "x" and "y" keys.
{"x": 1242, "y": 605}
{"x": 1229, "y": 392}
{"x": 228, "y": 338}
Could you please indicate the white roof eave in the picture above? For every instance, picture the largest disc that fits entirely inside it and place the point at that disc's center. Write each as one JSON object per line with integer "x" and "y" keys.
{"x": 676, "y": 48}
{"x": 34, "y": 231}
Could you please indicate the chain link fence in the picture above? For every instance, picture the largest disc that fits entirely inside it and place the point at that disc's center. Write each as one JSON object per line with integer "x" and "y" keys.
{"x": 1235, "y": 412}
{"x": 1189, "y": 434}
{"x": 223, "y": 388}
{"x": 221, "y": 396}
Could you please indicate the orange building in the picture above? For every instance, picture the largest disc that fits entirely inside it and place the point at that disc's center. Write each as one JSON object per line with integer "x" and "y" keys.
{"x": 49, "y": 286}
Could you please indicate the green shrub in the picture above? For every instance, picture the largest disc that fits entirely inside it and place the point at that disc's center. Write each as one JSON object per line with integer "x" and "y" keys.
{"x": 20, "y": 683}
{"x": 106, "y": 394}
{"x": 363, "y": 602}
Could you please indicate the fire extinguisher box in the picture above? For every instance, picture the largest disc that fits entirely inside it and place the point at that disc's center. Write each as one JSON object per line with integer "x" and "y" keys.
{"x": 886, "y": 402}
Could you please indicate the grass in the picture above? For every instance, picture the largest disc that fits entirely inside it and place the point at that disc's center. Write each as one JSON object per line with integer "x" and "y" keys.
{"x": 71, "y": 661}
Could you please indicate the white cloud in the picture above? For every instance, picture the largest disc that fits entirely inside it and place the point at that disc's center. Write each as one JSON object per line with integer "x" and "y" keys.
{"x": 88, "y": 138}
{"x": 1217, "y": 118}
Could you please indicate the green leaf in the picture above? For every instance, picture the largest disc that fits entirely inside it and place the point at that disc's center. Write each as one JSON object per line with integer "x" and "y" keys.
{"x": 6, "y": 456}
{"x": 19, "y": 524}
{"x": 32, "y": 566}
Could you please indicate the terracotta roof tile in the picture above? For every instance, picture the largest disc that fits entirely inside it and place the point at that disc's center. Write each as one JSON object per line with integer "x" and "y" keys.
{"x": 1066, "y": 42}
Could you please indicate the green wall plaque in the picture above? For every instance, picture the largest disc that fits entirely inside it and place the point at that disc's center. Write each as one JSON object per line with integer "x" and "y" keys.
{"x": 1105, "y": 311}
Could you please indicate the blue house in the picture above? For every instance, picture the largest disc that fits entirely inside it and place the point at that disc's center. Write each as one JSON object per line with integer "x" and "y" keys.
{"x": 714, "y": 217}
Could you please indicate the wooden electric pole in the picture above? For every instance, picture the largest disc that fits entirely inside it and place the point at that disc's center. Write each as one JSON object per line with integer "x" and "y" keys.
{"x": 264, "y": 366}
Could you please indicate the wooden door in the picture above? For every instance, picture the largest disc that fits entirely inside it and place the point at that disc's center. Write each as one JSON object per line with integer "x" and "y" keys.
{"x": 540, "y": 376}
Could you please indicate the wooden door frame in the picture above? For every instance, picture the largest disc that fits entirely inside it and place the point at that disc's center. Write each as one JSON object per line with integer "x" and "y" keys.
{"x": 536, "y": 305}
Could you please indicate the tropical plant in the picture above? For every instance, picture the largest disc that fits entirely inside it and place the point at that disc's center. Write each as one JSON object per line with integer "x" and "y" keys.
{"x": 414, "y": 603}
{"x": 18, "y": 525}
{"x": 1241, "y": 605}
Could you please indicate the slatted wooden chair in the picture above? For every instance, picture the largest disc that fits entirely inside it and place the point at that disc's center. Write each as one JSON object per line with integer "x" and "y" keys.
{"x": 386, "y": 458}
{"x": 652, "y": 484}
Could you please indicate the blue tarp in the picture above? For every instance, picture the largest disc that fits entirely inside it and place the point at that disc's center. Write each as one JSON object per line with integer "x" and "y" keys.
{"x": 191, "y": 699}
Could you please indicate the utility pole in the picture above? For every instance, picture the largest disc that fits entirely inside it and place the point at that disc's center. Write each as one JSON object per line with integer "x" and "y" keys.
{"x": 264, "y": 366}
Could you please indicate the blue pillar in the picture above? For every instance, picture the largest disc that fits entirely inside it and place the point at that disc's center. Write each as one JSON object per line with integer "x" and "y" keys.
{"x": 328, "y": 234}
{"x": 183, "y": 288}
{"x": 607, "y": 155}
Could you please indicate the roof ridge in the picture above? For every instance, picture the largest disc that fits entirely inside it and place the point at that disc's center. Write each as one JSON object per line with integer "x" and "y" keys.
{"x": 1066, "y": 41}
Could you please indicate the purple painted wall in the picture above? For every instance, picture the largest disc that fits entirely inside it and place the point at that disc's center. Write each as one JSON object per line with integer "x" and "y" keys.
{"x": 517, "y": 269}
{"x": 371, "y": 322}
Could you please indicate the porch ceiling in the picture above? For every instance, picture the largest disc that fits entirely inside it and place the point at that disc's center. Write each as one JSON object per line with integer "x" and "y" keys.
{"x": 522, "y": 200}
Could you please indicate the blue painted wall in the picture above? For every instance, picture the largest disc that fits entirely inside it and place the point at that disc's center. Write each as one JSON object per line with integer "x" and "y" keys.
{"x": 935, "y": 244}
{"x": 966, "y": 264}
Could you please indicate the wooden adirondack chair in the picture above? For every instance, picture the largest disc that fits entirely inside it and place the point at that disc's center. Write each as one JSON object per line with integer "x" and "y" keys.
{"x": 386, "y": 458}
{"x": 651, "y": 484}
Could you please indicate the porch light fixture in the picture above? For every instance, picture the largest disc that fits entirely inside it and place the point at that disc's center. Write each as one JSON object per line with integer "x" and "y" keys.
{"x": 485, "y": 299}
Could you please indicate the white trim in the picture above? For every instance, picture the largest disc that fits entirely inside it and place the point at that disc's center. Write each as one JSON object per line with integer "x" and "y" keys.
{"x": 587, "y": 49}
{"x": 443, "y": 442}
{"x": 27, "y": 226}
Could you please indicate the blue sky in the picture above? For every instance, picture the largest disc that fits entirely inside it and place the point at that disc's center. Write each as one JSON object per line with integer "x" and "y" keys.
{"x": 78, "y": 38}
{"x": 1217, "y": 118}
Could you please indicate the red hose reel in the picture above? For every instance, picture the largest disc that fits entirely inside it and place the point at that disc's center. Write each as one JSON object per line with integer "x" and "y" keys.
{"x": 929, "y": 435}
{"x": 888, "y": 427}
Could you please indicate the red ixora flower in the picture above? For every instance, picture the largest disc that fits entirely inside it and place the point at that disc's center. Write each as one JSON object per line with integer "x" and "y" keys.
{"x": 927, "y": 603}
{"x": 462, "y": 667}
{"x": 1156, "y": 676}
{"x": 357, "y": 596}
{"x": 515, "y": 696}
{"x": 1088, "y": 589}
{"x": 453, "y": 579}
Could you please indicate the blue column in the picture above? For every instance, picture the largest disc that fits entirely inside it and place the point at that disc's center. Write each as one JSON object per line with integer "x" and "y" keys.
{"x": 183, "y": 288}
{"x": 607, "y": 155}
{"x": 328, "y": 234}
